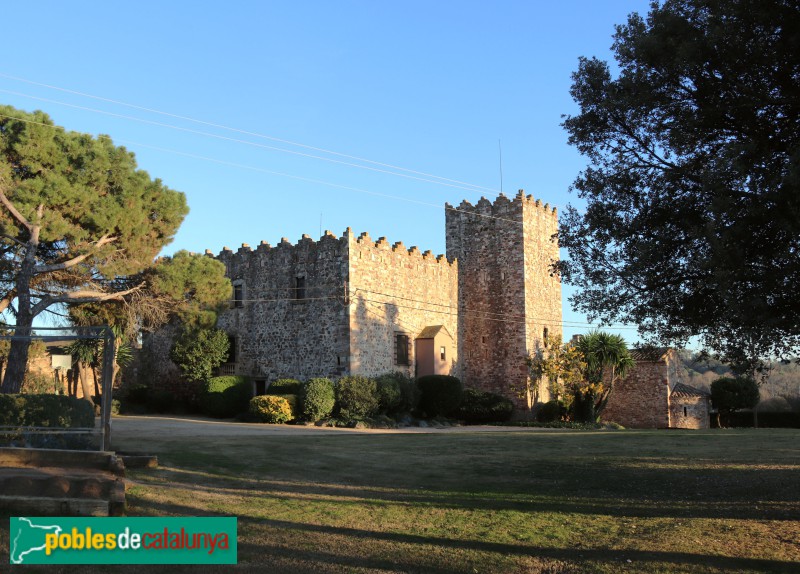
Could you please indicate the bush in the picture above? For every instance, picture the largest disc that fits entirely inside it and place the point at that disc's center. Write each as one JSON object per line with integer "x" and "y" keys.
{"x": 478, "y": 407}
{"x": 270, "y": 408}
{"x": 357, "y": 397}
{"x": 439, "y": 395}
{"x": 45, "y": 410}
{"x": 285, "y": 387}
{"x": 225, "y": 397}
{"x": 38, "y": 384}
{"x": 389, "y": 396}
{"x": 294, "y": 404}
{"x": 396, "y": 393}
{"x": 317, "y": 399}
{"x": 551, "y": 411}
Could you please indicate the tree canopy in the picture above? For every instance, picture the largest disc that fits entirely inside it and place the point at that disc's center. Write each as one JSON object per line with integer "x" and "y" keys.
{"x": 79, "y": 222}
{"x": 692, "y": 218}
{"x": 585, "y": 372}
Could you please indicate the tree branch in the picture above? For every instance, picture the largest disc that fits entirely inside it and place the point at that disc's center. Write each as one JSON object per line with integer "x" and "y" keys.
{"x": 84, "y": 296}
{"x": 106, "y": 239}
{"x": 13, "y": 210}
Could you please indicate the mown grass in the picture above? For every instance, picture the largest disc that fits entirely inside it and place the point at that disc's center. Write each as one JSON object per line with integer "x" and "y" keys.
{"x": 553, "y": 502}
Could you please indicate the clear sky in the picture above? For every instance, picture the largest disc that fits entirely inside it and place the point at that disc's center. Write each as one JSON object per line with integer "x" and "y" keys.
{"x": 437, "y": 88}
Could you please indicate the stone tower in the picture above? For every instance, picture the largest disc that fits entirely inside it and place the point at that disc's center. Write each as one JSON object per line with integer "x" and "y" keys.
{"x": 507, "y": 298}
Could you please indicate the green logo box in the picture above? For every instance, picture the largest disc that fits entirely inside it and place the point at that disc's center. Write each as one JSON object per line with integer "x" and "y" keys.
{"x": 123, "y": 540}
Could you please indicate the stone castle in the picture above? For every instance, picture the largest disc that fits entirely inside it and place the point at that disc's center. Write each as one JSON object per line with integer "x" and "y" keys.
{"x": 353, "y": 305}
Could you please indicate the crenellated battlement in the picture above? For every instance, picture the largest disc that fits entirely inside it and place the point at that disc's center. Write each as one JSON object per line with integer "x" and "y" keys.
{"x": 503, "y": 206}
{"x": 365, "y": 242}
{"x": 305, "y": 243}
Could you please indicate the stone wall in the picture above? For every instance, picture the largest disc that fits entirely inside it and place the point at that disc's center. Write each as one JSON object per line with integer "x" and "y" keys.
{"x": 689, "y": 412}
{"x": 507, "y": 296}
{"x": 395, "y": 290}
{"x": 641, "y": 400}
{"x": 292, "y": 319}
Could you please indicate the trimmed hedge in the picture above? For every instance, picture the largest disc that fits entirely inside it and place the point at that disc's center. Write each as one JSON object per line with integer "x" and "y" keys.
{"x": 396, "y": 393}
{"x": 440, "y": 395}
{"x": 285, "y": 387}
{"x": 317, "y": 399}
{"x": 480, "y": 407}
{"x": 46, "y": 411}
{"x": 270, "y": 408}
{"x": 357, "y": 397}
{"x": 225, "y": 397}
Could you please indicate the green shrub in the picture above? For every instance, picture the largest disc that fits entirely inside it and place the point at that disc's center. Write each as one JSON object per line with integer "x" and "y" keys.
{"x": 389, "y": 395}
{"x": 270, "y": 408}
{"x": 45, "y": 410}
{"x": 439, "y": 395}
{"x": 294, "y": 404}
{"x": 551, "y": 411}
{"x": 38, "y": 384}
{"x": 285, "y": 387}
{"x": 317, "y": 399}
{"x": 478, "y": 407}
{"x": 225, "y": 397}
{"x": 396, "y": 393}
{"x": 116, "y": 405}
{"x": 357, "y": 397}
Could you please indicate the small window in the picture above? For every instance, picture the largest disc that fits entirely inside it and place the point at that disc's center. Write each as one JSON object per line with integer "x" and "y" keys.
{"x": 238, "y": 295}
{"x": 545, "y": 333}
{"x": 401, "y": 349}
{"x": 299, "y": 288}
{"x": 442, "y": 353}
{"x": 685, "y": 412}
{"x": 231, "y": 358}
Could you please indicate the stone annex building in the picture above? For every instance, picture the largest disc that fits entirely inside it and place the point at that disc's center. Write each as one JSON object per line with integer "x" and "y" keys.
{"x": 354, "y": 305}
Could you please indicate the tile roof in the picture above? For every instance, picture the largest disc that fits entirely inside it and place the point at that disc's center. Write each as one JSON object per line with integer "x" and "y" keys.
{"x": 649, "y": 354}
{"x": 431, "y": 331}
{"x": 681, "y": 390}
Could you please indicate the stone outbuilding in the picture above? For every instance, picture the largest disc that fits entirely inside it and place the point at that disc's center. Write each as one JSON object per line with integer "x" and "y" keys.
{"x": 652, "y": 395}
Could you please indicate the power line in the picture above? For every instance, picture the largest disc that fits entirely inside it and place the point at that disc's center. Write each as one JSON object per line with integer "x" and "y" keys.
{"x": 451, "y": 310}
{"x": 287, "y": 175}
{"x": 244, "y": 132}
{"x": 468, "y": 187}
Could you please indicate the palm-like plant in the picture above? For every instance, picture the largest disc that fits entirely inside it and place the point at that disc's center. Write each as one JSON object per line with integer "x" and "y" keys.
{"x": 607, "y": 361}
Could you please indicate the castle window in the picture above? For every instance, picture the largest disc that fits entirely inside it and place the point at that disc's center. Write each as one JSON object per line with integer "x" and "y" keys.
{"x": 238, "y": 295}
{"x": 685, "y": 412}
{"x": 545, "y": 333}
{"x": 442, "y": 353}
{"x": 231, "y": 358}
{"x": 401, "y": 348}
{"x": 299, "y": 288}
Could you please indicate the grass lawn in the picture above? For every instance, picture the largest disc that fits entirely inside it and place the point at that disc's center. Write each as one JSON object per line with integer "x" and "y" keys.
{"x": 621, "y": 501}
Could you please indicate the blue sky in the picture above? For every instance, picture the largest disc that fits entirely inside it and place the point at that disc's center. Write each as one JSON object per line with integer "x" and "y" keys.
{"x": 432, "y": 87}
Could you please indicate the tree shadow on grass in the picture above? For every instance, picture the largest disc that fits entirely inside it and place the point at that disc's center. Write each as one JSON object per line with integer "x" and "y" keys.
{"x": 328, "y": 538}
{"x": 676, "y": 498}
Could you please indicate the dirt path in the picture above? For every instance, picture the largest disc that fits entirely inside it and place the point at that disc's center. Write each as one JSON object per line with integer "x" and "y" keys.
{"x": 142, "y": 427}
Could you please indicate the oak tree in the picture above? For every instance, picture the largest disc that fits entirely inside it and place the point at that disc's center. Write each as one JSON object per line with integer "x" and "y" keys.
{"x": 692, "y": 219}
